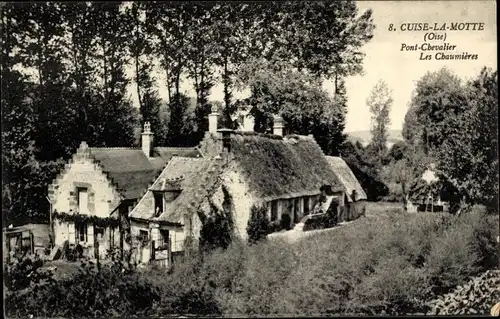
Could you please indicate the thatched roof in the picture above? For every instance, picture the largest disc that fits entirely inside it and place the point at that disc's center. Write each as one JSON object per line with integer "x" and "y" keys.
{"x": 277, "y": 167}
{"x": 190, "y": 177}
{"x": 346, "y": 177}
{"x": 131, "y": 169}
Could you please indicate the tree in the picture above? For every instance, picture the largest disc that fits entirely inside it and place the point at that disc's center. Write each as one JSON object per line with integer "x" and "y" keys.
{"x": 379, "y": 103}
{"x": 82, "y": 32}
{"x": 141, "y": 45}
{"x": 276, "y": 88}
{"x": 438, "y": 96}
{"x": 180, "y": 123}
{"x": 324, "y": 38}
{"x": 468, "y": 154}
{"x": 116, "y": 113}
{"x": 365, "y": 170}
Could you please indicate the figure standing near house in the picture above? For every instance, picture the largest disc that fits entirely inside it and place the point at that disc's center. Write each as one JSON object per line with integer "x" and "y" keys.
{"x": 327, "y": 205}
{"x": 323, "y": 203}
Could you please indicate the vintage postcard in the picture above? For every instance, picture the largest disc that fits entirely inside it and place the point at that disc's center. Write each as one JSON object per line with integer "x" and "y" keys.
{"x": 249, "y": 159}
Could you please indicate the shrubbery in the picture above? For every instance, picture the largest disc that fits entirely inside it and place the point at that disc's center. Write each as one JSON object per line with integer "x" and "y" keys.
{"x": 389, "y": 265}
{"x": 258, "y": 224}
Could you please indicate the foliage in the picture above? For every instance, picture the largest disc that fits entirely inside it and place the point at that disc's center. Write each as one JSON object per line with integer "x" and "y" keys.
{"x": 475, "y": 297}
{"x": 298, "y": 97}
{"x": 365, "y": 167}
{"x": 257, "y": 228}
{"x": 218, "y": 229}
{"x": 392, "y": 264}
{"x": 454, "y": 124}
{"x": 88, "y": 219}
{"x": 380, "y": 102}
{"x": 24, "y": 272}
{"x": 178, "y": 130}
{"x": 468, "y": 156}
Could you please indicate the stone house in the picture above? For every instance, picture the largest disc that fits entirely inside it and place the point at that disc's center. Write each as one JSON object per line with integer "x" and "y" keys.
{"x": 95, "y": 191}
{"x": 240, "y": 169}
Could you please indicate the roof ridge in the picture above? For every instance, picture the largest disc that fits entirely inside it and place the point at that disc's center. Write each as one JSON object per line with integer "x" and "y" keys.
{"x": 187, "y": 158}
{"x": 177, "y": 147}
{"x": 116, "y": 148}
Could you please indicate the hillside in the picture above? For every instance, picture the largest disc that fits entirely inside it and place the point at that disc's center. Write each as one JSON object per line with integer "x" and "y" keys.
{"x": 364, "y": 137}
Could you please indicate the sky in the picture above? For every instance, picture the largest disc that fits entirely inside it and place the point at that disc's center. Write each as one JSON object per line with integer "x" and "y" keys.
{"x": 402, "y": 69}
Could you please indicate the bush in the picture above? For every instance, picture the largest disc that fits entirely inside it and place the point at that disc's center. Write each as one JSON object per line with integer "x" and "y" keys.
{"x": 393, "y": 265}
{"x": 93, "y": 292}
{"x": 258, "y": 223}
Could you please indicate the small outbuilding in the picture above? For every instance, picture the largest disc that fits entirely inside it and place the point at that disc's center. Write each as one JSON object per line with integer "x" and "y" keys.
{"x": 353, "y": 197}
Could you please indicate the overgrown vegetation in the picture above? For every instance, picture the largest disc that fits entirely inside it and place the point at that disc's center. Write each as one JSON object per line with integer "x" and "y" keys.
{"x": 258, "y": 224}
{"x": 393, "y": 264}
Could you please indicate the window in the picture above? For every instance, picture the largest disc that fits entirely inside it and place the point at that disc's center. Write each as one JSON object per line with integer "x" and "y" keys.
{"x": 274, "y": 210}
{"x": 99, "y": 232}
{"x": 82, "y": 200}
{"x": 143, "y": 235}
{"x": 164, "y": 236}
{"x": 81, "y": 232}
{"x": 296, "y": 210}
{"x": 158, "y": 197}
{"x": 188, "y": 224}
{"x": 306, "y": 205}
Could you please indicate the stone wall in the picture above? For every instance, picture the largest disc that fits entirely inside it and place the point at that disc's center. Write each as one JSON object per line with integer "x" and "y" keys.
{"x": 81, "y": 171}
{"x": 241, "y": 197}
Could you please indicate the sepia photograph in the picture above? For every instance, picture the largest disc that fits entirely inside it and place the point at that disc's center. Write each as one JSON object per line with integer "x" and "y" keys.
{"x": 249, "y": 159}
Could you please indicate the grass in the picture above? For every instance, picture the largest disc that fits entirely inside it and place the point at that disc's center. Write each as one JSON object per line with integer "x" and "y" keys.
{"x": 388, "y": 262}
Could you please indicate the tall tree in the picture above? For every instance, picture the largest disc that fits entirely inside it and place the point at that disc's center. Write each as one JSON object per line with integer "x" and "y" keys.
{"x": 276, "y": 88}
{"x": 438, "y": 95}
{"x": 468, "y": 154}
{"x": 81, "y": 21}
{"x": 42, "y": 37}
{"x": 116, "y": 113}
{"x": 231, "y": 46}
{"x": 141, "y": 49}
{"x": 324, "y": 37}
{"x": 200, "y": 64}
{"x": 379, "y": 103}
{"x": 18, "y": 120}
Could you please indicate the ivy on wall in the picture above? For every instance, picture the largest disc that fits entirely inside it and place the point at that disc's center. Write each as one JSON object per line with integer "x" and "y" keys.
{"x": 104, "y": 222}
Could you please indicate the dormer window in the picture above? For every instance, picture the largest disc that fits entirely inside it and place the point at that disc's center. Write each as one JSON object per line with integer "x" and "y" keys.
{"x": 159, "y": 203}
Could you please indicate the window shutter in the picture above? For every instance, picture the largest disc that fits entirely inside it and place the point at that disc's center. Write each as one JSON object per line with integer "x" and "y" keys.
{"x": 71, "y": 233}
{"x": 82, "y": 201}
{"x": 90, "y": 234}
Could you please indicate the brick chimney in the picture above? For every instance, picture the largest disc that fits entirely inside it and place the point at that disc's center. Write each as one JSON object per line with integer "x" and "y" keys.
{"x": 278, "y": 125}
{"x": 212, "y": 120}
{"x": 147, "y": 139}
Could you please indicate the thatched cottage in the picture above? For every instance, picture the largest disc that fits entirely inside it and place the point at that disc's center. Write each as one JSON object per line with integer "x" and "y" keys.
{"x": 240, "y": 169}
{"x": 352, "y": 200}
{"x": 153, "y": 201}
{"x": 98, "y": 187}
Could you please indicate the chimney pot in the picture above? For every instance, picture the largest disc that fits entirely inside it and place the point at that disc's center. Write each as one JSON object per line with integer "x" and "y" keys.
{"x": 212, "y": 120}
{"x": 147, "y": 139}
{"x": 278, "y": 125}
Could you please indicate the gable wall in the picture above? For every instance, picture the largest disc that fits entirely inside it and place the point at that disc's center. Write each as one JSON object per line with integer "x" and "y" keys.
{"x": 242, "y": 199}
{"x": 82, "y": 172}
